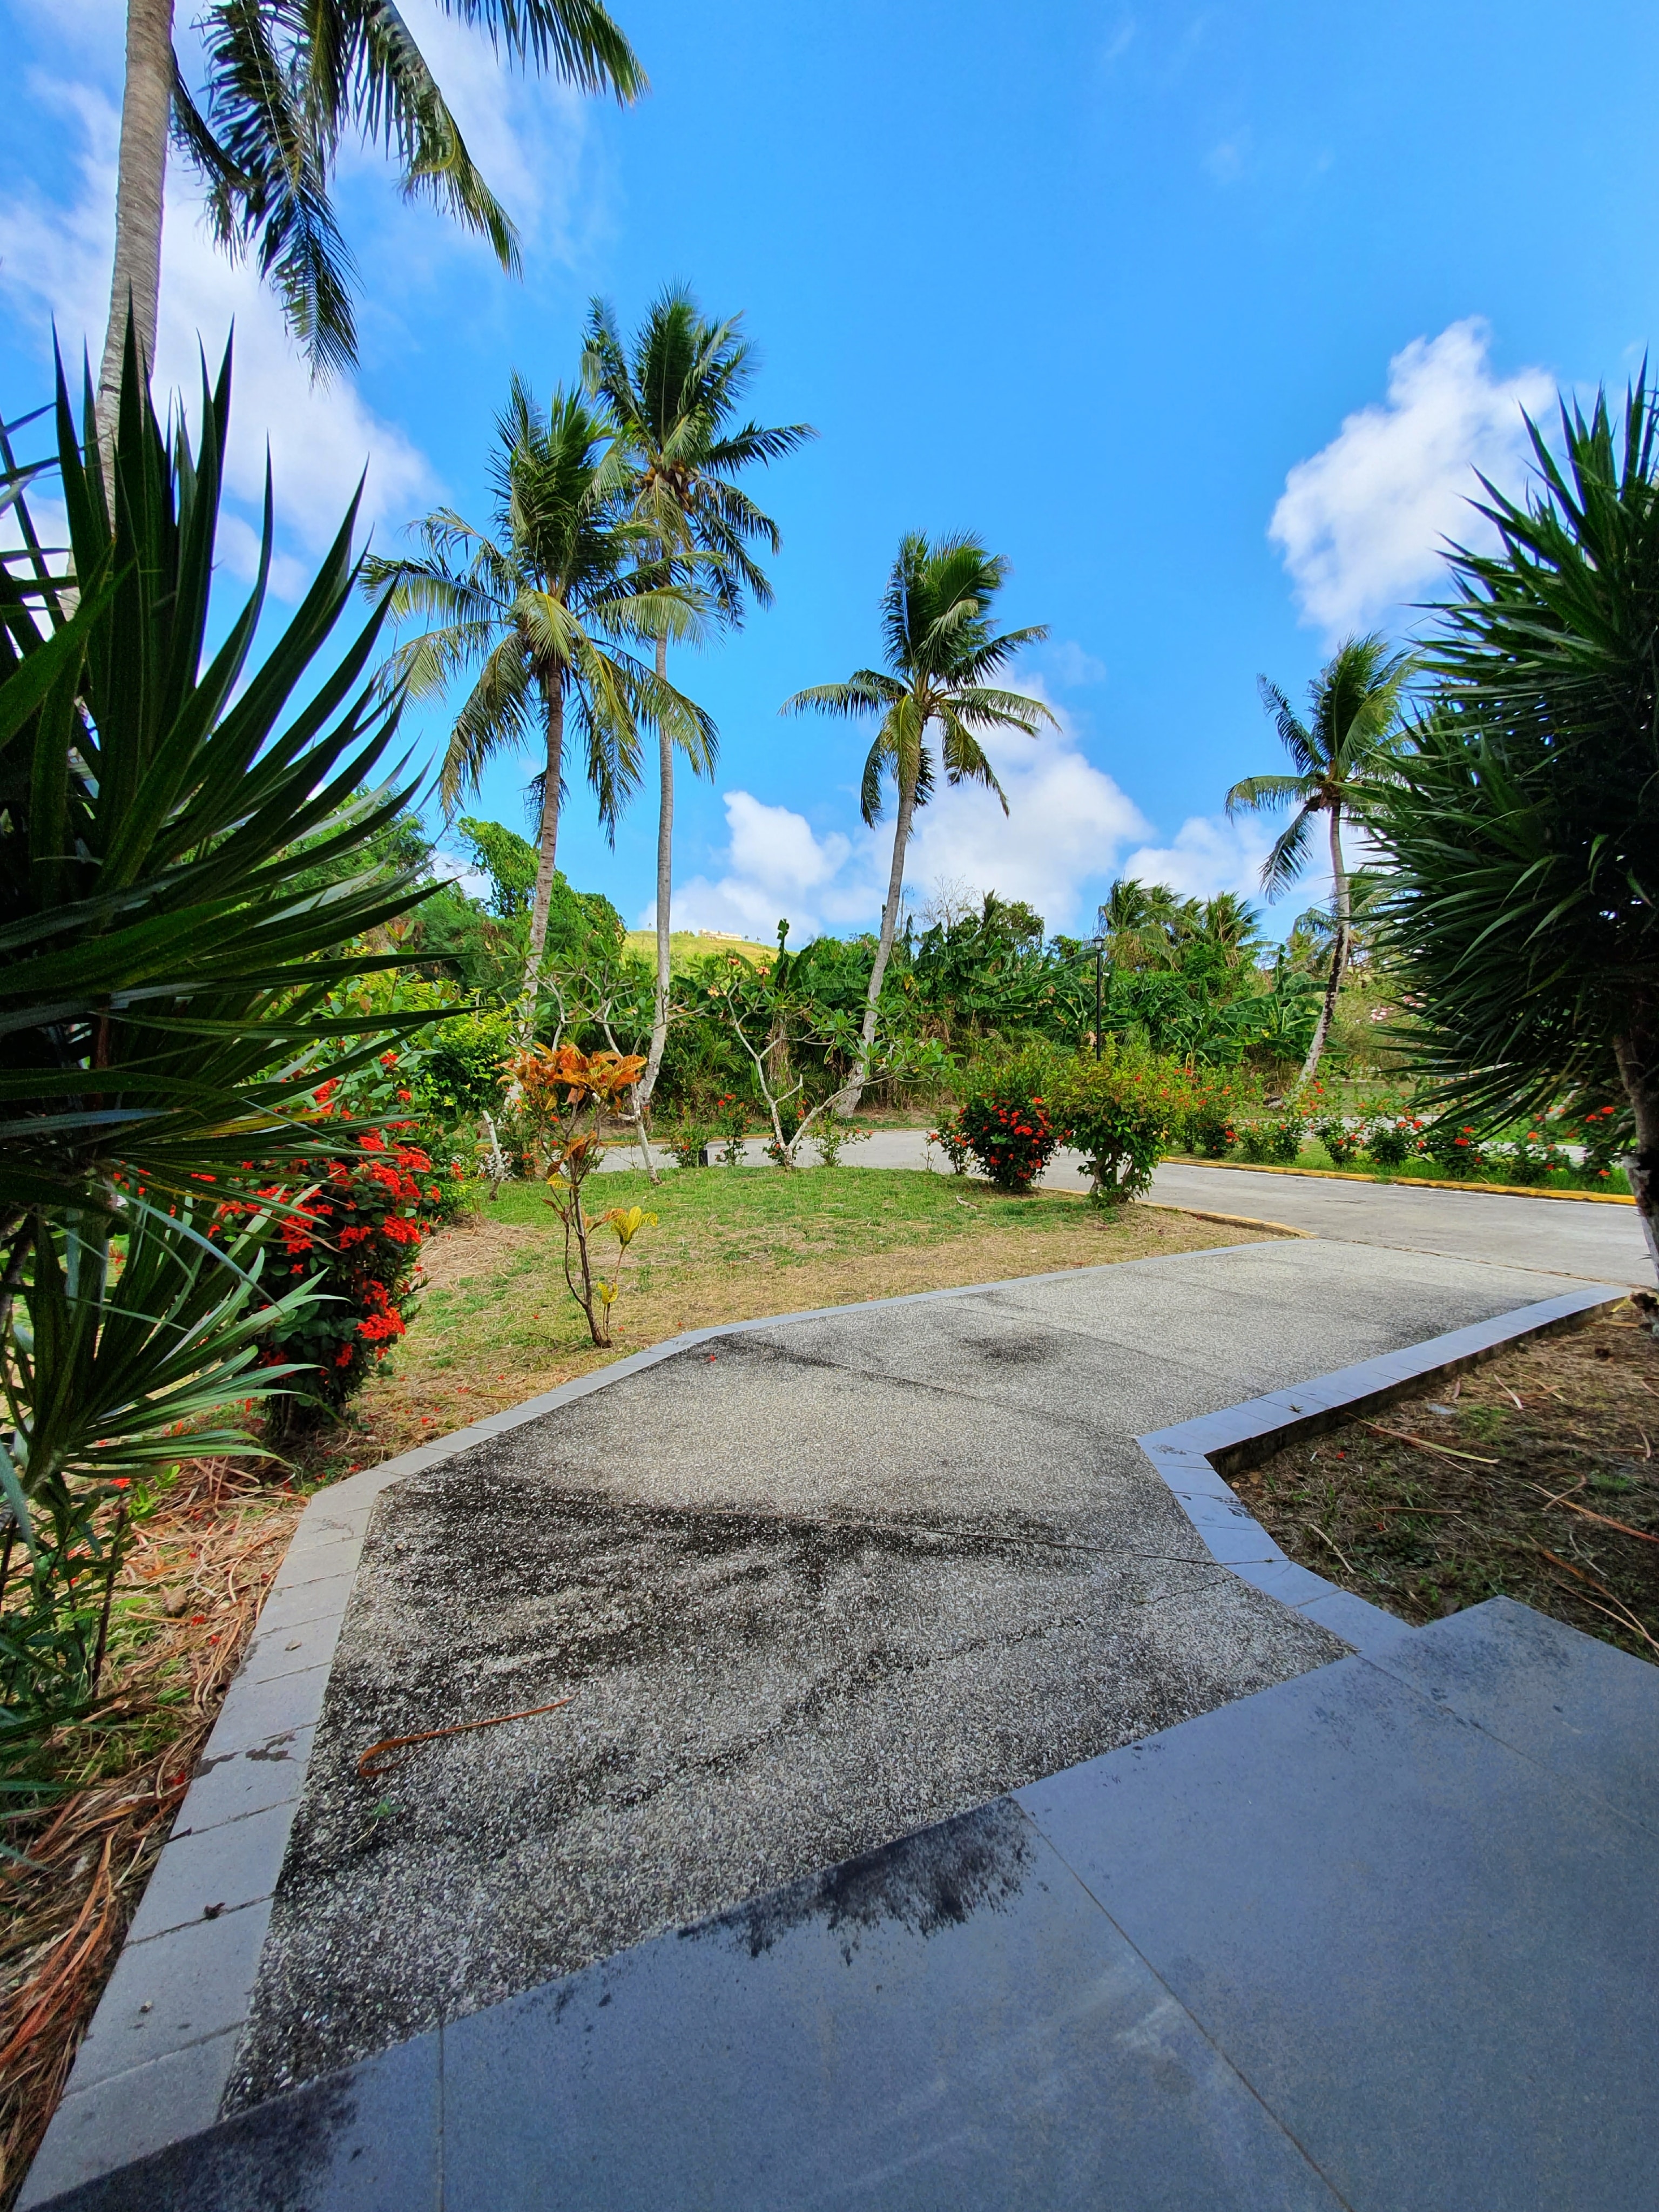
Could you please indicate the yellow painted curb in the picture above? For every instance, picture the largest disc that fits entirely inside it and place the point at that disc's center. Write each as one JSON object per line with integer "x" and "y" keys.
{"x": 1408, "y": 1182}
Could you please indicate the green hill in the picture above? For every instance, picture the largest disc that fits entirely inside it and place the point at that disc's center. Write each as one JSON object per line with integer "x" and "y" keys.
{"x": 686, "y": 946}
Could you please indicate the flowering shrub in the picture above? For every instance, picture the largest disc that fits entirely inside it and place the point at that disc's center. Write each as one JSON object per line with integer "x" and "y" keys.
{"x": 1392, "y": 1143}
{"x": 1005, "y": 1119}
{"x": 1121, "y": 1112}
{"x": 1604, "y": 1140}
{"x": 1451, "y": 1146}
{"x": 1279, "y": 1139}
{"x": 1342, "y": 1142}
{"x": 1535, "y": 1158}
{"x": 567, "y": 1095}
{"x": 1210, "y": 1133}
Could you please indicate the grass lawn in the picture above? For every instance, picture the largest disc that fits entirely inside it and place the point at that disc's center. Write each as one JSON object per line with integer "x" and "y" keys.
{"x": 1532, "y": 1477}
{"x": 496, "y": 1324}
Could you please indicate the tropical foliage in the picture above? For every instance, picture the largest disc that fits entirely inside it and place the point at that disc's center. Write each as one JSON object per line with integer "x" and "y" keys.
{"x": 672, "y": 395}
{"x": 282, "y": 87}
{"x": 1524, "y": 823}
{"x": 1343, "y": 757}
{"x": 542, "y": 611}
{"x": 195, "y": 859}
{"x": 943, "y": 658}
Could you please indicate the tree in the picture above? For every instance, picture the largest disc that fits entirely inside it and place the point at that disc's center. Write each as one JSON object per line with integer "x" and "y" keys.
{"x": 541, "y": 609}
{"x": 941, "y": 652}
{"x": 1343, "y": 756}
{"x": 283, "y": 85}
{"x": 673, "y": 397}
{"x": 1524, "y": 823}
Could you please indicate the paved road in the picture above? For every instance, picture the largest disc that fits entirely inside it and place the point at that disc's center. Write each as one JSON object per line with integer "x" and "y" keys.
{"x": 1598, "y": 1243}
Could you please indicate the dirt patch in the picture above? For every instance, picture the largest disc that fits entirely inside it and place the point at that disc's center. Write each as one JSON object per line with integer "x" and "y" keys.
{"x": 1533, "y": 1477}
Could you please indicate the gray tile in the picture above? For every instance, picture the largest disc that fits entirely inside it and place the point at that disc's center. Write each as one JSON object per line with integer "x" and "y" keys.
{"x": 1367, "y": 1627}
{"x": 177, "y": 1989}
{"x": 1283, "y": 1579}
{"x": 229, "y": 1784}
{"x": 291, "y": 1604}
{"x": 1433, "y": 1960}
{"x": 947, "y": 2023}
{"x": 366, "y": 2140}
{"x": 127, "y": 2117}
{"x": 253, "y": 1712}
{"x": 1587, "y": 1712}
{"x": 293, "y": 1648}
{"x": 215, "y": 1870}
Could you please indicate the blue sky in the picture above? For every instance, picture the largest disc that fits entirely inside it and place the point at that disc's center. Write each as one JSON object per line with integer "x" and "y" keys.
{"x": 1198, "y": 315}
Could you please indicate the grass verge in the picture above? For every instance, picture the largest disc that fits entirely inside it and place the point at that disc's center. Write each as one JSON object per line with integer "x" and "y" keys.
{"x": 1531, "y": 1476}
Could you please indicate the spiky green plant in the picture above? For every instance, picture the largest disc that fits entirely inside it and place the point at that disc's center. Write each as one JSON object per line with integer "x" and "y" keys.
{"x": 1524, "y": 821}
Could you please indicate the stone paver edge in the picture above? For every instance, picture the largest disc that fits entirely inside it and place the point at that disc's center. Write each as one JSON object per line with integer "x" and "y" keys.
{"x": 1195, "y": 1456}
{"x": 266, "y": 1712}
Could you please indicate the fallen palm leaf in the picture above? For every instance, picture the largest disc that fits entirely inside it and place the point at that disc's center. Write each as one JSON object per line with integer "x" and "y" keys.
{"x": 1605, "y": 1519}
{"x": 367, "y": 1770}
{"x": 1427, "y": 1443}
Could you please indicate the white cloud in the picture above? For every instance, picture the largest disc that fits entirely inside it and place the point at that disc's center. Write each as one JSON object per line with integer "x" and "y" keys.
{"x": 54, "y": 261}
{"x": 1067, "y": 663}
{"x": 1208, "y": 854}
{"x": 1362, "y": 522}
{"x": 1066, "y": 822}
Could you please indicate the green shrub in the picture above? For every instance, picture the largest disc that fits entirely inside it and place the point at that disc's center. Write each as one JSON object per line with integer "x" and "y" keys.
{"x": 1534, "y": 1158}
{"x": 1451, "y": 1146}
{"x": 1121, "y": 1112}
{"x": 1343, "y": 1143}
{"x": 688, "y": 1142}
{"x": 1255, "y": 1141}
{"x": 1391, "y": 1144}
{"x": 1005, "y": 1119}
{"x": 1210, "y": 1133}
{"x": 1285, "y": 1135}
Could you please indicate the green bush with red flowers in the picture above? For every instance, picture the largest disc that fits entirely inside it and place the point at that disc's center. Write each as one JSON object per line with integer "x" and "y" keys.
{"x": 353, "y": 1239}
{"x": 1003, "y": 1119}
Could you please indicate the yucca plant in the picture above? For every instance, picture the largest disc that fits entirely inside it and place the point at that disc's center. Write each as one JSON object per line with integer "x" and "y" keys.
{"x": 178, "y": 896}
{"x": 1524, "y": 822}
{"x": 167, "y": 947}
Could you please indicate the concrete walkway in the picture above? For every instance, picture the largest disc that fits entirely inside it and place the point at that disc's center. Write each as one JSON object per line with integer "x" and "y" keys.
{"x": 1580, "y": 1238}
{"x": 1380, "y": 1938}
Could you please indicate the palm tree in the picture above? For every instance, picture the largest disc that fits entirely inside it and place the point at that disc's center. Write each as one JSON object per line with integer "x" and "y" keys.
{"x": 672, "y": 398}
{"x": 283, "y": 84}
{"x": 541, "y": 609}
{"x": 1342, "y": 756}
{"x": 940, "y": 651}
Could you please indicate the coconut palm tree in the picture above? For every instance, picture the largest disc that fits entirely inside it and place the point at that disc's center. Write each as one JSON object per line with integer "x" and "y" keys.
{"x": 543, "y": 607}
{"x": 941, "y": 651}
{"x": 673, "y": 396}
{"x": 283, "y": 85}
{"x": 1343, "y": 754}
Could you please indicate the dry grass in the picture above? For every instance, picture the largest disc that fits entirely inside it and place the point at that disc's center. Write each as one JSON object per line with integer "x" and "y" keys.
{"x": 1532, "y": 1477}
{"x": 186, "y": 1608}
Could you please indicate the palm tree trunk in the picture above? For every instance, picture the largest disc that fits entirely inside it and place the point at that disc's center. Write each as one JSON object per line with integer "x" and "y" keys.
{"x": 647, "y": 1086}
{"x": 907, "y": 807}
{"x": 1637, "y": 1051}
{"x": 541, "y": 904}
{"x": 1340, "y": 902}
{"x": 141, "y": 178}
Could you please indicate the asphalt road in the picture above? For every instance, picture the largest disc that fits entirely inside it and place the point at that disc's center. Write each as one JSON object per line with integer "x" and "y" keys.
{"x": 1578, "y": 1237}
